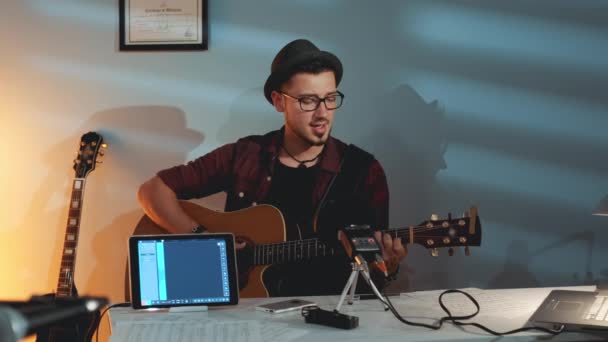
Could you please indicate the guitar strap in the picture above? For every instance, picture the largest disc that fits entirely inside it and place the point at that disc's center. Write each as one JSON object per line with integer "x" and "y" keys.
{"x": 342, "y": 204}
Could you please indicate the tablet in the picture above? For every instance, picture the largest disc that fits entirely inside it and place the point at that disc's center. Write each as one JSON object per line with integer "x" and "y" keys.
{"x": 182, "y": 270}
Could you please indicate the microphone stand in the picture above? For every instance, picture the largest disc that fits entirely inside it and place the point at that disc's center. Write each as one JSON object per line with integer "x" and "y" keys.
{"x": 359, "y": 265}
{"x": 19, "y": 319}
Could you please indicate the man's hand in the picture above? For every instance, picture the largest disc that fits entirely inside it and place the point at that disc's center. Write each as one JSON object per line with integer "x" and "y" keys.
{"x": 393, "y": 251}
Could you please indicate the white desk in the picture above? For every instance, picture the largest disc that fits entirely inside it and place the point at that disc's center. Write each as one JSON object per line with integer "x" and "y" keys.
{"x": 501, "y": 310}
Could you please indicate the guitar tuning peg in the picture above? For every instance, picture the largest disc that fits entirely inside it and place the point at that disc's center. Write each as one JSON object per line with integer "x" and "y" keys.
{"x": 434, "y": 217}
{"x": 467, "y": 252}
{"x": 451, "y": 251}
{"x": 98, "y": 162}
{"x": 101, "y": 153}
{"x": 104, "y": 145}
{"x": 434, "y": 252}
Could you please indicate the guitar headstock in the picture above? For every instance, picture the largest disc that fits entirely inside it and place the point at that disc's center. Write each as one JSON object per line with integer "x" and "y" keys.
{"x": 90, "y": 151}
{"x": 451, "y": 232}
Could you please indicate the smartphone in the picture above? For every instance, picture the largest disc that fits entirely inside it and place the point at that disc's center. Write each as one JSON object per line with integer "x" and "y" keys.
{"x": 285, "y": 305}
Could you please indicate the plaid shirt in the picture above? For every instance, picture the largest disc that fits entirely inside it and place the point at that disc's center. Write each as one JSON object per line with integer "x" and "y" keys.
{"x": 244, "y": 170}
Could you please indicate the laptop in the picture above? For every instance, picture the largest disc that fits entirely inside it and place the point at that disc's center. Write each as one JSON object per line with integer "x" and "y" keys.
{"x": 176, "y": 270}
{"x": 574, "y": 310}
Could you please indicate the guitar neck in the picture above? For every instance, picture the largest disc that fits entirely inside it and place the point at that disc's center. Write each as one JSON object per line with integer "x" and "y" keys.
{"x": 407, "y": 234}
{"x": 458, "y": 232}
{"x": 290, "y": 251}
{"x": 65, "y": 284}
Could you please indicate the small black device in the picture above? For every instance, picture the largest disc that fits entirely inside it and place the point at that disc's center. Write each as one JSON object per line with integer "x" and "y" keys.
{"x": 360, "y": 240}
{"x": 361, "y": 245}
{"x": 182, "y": 270}
{"x": 316, "y": 315}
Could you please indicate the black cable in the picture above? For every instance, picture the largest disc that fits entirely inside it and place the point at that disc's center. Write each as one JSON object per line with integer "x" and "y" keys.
{"x": 456, "y": 319}
{"x": 116, "y": 305}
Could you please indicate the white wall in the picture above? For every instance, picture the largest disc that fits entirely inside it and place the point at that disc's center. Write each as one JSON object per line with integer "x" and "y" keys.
{"x": 518, "y": 127}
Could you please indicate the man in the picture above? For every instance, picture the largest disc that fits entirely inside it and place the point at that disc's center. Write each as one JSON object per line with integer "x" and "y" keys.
{"x": 319, "y": 183}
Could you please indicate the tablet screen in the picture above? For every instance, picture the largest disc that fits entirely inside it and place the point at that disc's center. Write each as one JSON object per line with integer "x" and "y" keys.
{"x": 182, "y": 270}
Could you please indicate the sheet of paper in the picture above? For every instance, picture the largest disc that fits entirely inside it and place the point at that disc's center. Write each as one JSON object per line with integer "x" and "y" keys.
{"x": 185, "y": 327}
{"x": 120, "y": 318}
{"x": 280, "y": 332}
{"x": 509, "y": 304}
{"x": 176, "y": 331}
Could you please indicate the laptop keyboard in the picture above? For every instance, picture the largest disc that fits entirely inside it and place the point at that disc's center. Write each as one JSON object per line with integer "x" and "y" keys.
{"x": 598, "y": 310}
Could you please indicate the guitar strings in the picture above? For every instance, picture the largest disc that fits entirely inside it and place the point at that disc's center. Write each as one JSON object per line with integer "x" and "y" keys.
{"x": 305, "y": 242}
{"x": 398, "y": 232}
{"x": 267, "y": 254}
{"x": 261, "y": 252}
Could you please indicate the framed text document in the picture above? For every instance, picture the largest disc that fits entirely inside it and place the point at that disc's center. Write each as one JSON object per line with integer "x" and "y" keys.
{"x": 163, "y": 25}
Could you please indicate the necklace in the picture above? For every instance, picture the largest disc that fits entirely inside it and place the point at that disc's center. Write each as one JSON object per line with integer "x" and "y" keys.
{"x": 302, "y": 162}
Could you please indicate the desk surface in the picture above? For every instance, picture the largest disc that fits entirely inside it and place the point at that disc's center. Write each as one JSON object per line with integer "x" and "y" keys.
{"x": 501, "y": 310}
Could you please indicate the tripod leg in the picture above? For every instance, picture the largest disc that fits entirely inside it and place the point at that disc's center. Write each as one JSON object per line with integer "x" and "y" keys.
{"x": 371, "y": 284}
{"x": 349, "y": 284}
{"x": 353, "y": 286}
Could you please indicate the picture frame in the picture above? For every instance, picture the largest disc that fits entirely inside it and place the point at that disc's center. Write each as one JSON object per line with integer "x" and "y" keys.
{"x": 147, "y": 25}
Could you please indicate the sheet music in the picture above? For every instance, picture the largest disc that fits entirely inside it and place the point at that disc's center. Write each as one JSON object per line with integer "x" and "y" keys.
{"x": 199, "y": 327}
{"x": 280, "y": 332}
{"x": 181, "y": 331}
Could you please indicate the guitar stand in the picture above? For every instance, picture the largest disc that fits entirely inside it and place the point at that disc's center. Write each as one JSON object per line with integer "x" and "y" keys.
{"x": 352, "y": 285}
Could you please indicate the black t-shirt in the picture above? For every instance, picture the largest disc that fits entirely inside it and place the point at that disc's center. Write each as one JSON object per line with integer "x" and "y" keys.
{"x": 291, "y": 192}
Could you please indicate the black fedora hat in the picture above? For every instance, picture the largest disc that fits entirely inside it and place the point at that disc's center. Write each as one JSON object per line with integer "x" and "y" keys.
{"x": 293, "y": 55}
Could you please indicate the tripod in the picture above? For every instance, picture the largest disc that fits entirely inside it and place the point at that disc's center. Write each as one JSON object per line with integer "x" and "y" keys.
{"x": 359, "y": 266}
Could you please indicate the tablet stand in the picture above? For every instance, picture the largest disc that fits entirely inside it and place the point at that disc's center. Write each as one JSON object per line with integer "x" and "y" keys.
{"x": 193, "y": 308}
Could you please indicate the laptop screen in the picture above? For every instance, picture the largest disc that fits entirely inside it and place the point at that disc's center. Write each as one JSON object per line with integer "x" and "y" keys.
{"x": 182, "y": 270}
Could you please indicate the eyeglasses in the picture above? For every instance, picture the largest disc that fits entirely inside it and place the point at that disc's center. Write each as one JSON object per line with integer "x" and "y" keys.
{"x": 310, "y": 103}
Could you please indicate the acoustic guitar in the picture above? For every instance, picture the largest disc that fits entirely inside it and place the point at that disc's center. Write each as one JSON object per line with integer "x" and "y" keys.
{"x": 263, "y": 228}
{"x": 90, "y": 151}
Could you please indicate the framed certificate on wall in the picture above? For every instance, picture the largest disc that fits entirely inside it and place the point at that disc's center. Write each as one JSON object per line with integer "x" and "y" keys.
{"x": 163, "y": 25}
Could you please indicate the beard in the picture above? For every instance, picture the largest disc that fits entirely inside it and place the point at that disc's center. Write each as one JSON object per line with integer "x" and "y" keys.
{"x": 314, "y": 140}
{"x": 321, "y": 141}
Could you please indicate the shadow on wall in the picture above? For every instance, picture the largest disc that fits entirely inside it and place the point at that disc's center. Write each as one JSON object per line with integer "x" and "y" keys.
{"x": 133, "y": 155}
{"x": 410, "y": 143}
{"x": 515, "y": 272}
{"x": 133, "y": 137}
{"x": 142, "y": 140}
{"x": 250, "y": 114}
